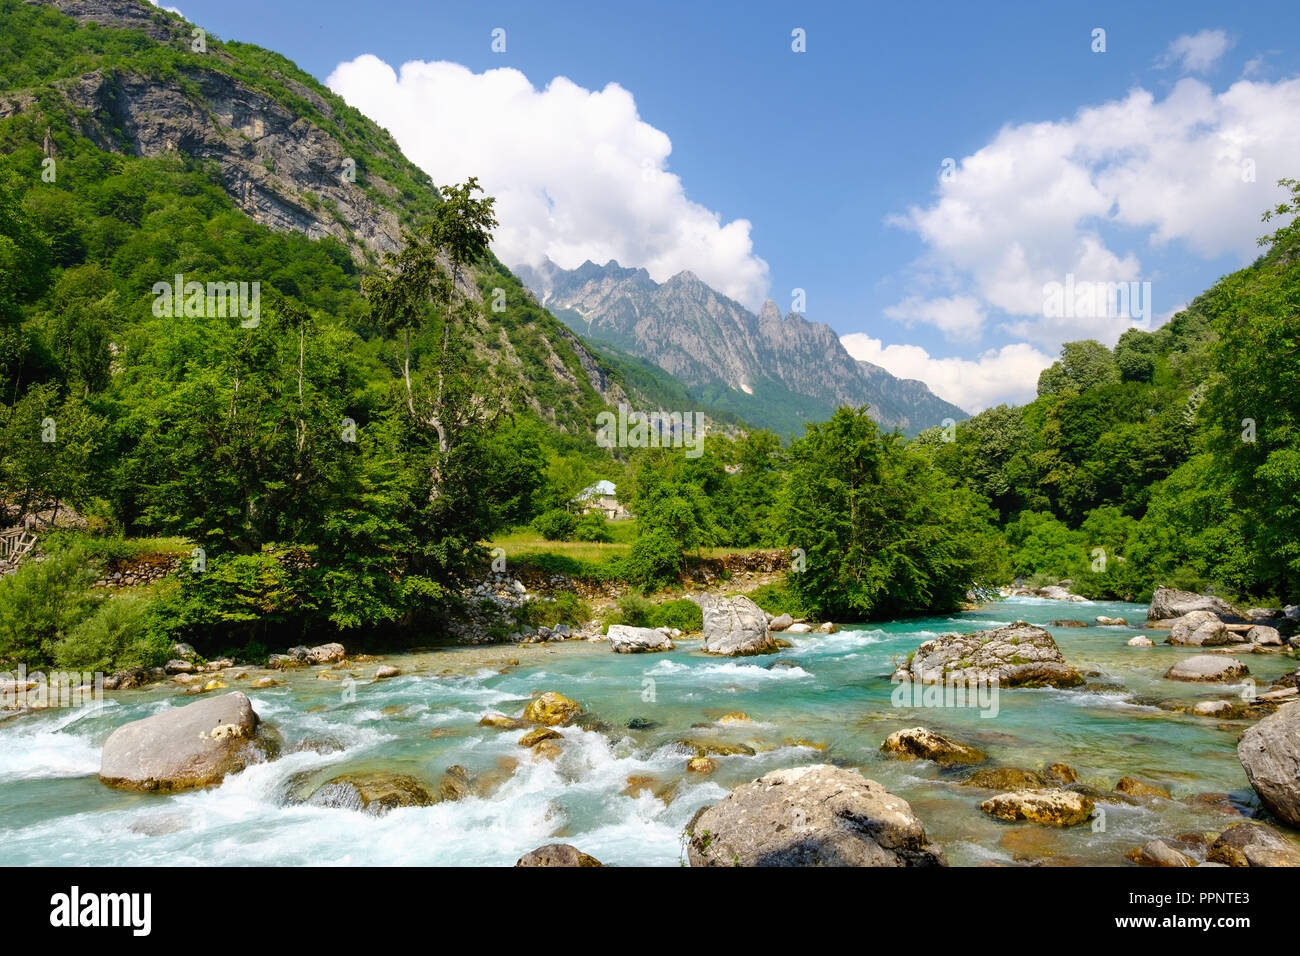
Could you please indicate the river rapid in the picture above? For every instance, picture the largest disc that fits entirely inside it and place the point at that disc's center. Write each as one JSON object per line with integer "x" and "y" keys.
{"x": 826, "y": 699}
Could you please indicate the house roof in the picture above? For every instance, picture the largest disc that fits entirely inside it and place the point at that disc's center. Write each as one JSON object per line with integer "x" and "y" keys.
{"x": 598, "y": 490}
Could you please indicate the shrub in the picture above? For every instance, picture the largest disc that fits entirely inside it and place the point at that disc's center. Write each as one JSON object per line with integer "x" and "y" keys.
{"x": 682, "y": 613}
{"x": 43, "y": 601}
{"x": 592, "y": 527}
{"x": 779, "y": 598}
{"x": 654, "y": 561}
{"x": 117, "y": 636}
{"x": 242, "y": 598}
{"x": 635, "y": 610}
{"x": 565, "y": 607}
{"x": 555, "y": 525}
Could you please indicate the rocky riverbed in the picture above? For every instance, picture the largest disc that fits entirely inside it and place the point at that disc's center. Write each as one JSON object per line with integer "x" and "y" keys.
{"x": 569, "y": 752}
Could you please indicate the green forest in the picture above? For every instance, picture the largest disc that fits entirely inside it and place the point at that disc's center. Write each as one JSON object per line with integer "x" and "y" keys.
{"x": 343, "y": 467}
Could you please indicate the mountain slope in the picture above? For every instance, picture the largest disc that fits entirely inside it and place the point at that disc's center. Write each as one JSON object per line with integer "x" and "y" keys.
{"x": 772, "y": 370}
{"x": 87, "y": 80}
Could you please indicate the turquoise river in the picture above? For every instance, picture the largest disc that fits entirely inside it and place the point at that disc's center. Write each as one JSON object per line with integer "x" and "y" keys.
{"x": 832, "y": 691}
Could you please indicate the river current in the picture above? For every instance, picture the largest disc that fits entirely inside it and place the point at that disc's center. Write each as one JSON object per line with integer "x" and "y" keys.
{"x": 826, "y": 699}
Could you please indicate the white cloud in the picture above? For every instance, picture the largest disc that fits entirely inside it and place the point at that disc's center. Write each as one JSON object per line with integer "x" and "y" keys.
{"x": 958, "y": 317}
{"x": 577, "y": 173}
{"x": 1038, "y": 202}
{"x": 1008, "y": 374}
{"x": 168, "y": 9}
{"x": 1195, "y": 52}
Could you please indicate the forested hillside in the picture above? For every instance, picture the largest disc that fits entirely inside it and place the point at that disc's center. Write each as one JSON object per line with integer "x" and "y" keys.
{"x": 1176, "y": 453}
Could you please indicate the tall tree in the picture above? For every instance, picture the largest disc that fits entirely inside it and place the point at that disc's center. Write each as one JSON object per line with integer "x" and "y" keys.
{"x": 421, "y": 294}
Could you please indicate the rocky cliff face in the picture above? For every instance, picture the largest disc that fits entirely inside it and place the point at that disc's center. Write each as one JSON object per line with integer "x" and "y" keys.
{"x": 289, "y": 153}
{"x": 772, "y": 363}
{"x": 279, "y": 166}
{"x": 282, "y": 170}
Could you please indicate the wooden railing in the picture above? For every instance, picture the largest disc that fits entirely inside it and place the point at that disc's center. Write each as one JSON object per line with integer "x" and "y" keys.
{"x": 16, "y": 544}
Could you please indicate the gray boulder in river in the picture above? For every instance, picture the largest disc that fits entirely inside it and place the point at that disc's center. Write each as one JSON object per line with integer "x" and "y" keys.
{"x": 186, "y": 747}
{"x": 557, "y": 854}
{"x": 1270, "y": 754}
{"x": 810, "y": 816}
{"x": 1171, "y": 602}
{"x": 1253, "y": 844}
{"x": 1018, "y": 655}
{"x": 1207, "y": 668}
{"x": 625, "y": 639}
{"x": 1201, "y": 629}
{"x": 734, "y": 626}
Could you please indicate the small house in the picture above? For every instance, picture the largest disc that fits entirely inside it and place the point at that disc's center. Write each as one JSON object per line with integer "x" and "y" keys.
{"x": 602, "y": 498}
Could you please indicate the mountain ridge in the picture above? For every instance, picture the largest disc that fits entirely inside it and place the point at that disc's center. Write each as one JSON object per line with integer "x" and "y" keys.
{"x": 717, "y": 347}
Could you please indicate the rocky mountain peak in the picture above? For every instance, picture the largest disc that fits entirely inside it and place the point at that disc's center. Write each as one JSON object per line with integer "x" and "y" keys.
{"x": 770, "y": 313}
{"x": 773, "y": 371}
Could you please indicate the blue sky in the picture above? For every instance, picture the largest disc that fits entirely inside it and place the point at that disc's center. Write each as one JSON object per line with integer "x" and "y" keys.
{"x": 833, "y": 156}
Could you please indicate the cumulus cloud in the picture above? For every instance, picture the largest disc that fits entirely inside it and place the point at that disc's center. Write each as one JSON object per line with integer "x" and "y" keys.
{"x": 958, "y": 317}
{"x": 1195, "y": 52}
{"x": 1043, "y": 201}
{"x": 1008, "y": 374}
{"x": 577, "y": 173}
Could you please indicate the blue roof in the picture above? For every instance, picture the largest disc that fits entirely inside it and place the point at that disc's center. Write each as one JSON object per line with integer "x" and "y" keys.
{"x": 598, "y": 490}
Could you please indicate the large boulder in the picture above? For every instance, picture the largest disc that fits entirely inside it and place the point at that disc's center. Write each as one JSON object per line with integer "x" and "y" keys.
{"x": 1159, "y": 853}
{"x": 810, "y": 816}
{"x": 185, "y": 747}
{"x": 455, "y": 784}
{"x": 557, "y": 854}
{"x": 1199, "y": 629}
{"x": 1018, "y": 655}
{"x": 551, "y": 709}
{"x": 1006, "y": 778}
{"x": 1053, "y": 808}
{"x": 1264, "y": 636}
{"x": 1170, "y": 602}
{"x": 373, "y": 792}
{"x": 1270, "y": 753}
{"x": 921, "y": 743}
{"x": 625, "y": 639}
{"x": 1207, "y": 668}
{"x": 1058, "y": 593}
{"x": 734, "y": 626}
{"x": 325, "y": 654}
{"x": 1253, "y": 844}
{"x": 1133, "y": 787}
